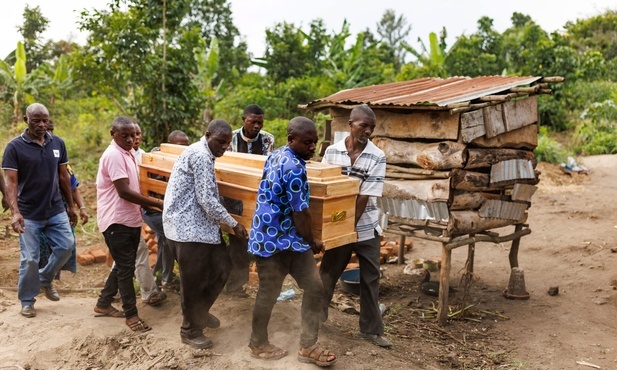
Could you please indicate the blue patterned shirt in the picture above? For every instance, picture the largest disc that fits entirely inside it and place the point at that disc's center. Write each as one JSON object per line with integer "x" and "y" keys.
{"x": 283, "y": 190}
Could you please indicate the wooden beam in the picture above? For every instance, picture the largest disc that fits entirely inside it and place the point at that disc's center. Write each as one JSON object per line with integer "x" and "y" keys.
{"x": 442, "y": 155}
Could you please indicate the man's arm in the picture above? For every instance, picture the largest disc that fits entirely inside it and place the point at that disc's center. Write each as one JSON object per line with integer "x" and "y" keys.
{"x": 65, "y": 187}
{"x": 11, "y": 191}
{"x": 79, "y": 201}
{"x": 128, "y": 194}
{"x": 303, "y": 223}
{"x": 5, "y": 200}
{"x": 361, "y": 202}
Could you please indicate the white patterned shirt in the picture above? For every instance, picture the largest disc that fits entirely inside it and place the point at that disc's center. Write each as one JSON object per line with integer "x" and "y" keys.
{"x": 370, "y": 168}
{"x": 192, "y": 211}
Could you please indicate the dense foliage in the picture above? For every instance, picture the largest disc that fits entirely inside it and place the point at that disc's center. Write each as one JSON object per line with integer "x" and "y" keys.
{"x": 178, "y": 64}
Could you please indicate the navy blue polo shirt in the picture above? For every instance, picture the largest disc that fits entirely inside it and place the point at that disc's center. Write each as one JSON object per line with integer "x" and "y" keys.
{"x": 38, "y": 186}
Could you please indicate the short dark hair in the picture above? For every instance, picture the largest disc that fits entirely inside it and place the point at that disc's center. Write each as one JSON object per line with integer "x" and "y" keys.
{"x": 217, "y": 126}
{"x": 121, "y": 121}
{"x": 253, "y": 109}
{"x": 362, "y": 110}
{"x": 176, "y": 134}
{"x": 300, "y": 125}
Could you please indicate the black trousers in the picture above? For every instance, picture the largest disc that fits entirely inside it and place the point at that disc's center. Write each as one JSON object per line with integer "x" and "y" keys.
{"x": 122, "y": 242}
{"x": 272, "y": 271}
{"x": 332, "y": 266}
{"x": 204, "y": 269}
{"x": 240, "y": 261}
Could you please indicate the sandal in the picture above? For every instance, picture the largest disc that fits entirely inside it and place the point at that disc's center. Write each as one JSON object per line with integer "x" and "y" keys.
{"x": 110, "y": 311}
{"x": 156, "y": 298}
{"x": 316, "y": 355}
{"x": 138, "y": 326}
{"x": 267, "y": 352}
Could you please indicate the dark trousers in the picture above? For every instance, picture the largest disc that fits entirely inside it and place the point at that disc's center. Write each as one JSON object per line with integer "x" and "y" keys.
{"x": 164, "y": 259}
{"x": 122, "y": 242}
{"x": 204, "y": 269}
{"x": 272, "y": 271}
{"x": 240, "y": 261}
{"x": 332, "y": 266}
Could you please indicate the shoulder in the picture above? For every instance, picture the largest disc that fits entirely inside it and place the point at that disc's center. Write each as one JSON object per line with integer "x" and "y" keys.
{"x": 374, "y": 150}
{"x": 267, "y": 135}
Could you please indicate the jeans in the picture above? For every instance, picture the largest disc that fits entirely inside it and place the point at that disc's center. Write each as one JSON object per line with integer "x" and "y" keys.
{"x": 164, "y": 260}
{"x": 204, "y": 269}
{"x": 332, "y": 266}
{"x": 272, "y": 271}
{"x": 122, "y": 242}
{"x": 57, "y": 229}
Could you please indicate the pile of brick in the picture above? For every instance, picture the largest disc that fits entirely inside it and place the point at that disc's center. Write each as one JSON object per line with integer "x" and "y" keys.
{"x": 93, "y": 255}
{"x": 96, "y": 255}
{"x": 388, "y": 250}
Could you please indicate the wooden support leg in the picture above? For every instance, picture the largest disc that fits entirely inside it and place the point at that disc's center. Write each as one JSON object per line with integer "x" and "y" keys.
{"x": 444, "y": 285}
{"x": 401, "y": 250}
{"x": 514, "y": 248}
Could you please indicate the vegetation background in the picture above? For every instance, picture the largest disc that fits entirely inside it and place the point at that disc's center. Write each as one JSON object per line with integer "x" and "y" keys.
{"x": 177, "y": 66}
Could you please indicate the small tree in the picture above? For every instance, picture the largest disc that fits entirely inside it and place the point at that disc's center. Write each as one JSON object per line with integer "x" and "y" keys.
{"x": 20, "y": 86}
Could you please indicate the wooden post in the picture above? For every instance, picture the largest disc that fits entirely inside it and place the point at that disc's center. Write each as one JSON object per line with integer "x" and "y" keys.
{"x": 513, "y": 257}
{"x": 444, "y": 285}
{"x": 401, "y": 250}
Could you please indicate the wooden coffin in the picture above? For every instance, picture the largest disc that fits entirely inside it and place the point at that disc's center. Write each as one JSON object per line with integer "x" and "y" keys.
{"x": 333, "y": 196}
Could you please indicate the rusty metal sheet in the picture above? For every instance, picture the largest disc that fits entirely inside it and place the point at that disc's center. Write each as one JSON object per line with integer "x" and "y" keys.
{"x": 427, "y": 91}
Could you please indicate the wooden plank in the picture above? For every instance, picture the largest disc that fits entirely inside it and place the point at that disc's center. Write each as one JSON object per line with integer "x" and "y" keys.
{"x": 470, "y": 180}
{"x": 438, "y": 124}
{"x": 463, "y": 200}
{"x": 520, "y": 113}
{"x": 467, "y": 222}
{"x": 480, "y": 158}
{"x": 472, "y": 125}
{"x": 493, "y": 120}
{"x": 523, "y": 138}
{"x": 442, "y": 155}
{"x": 427, "y": 190}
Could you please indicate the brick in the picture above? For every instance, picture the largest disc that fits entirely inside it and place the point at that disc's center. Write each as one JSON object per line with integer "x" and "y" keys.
{"x": 110, "y": 259}
{"x": 152, "y": 259}
{"x": 352, "y": 266}
{"x": 151, "y": 243}
{"x": 98, "y": 254}
{"x": 85, "y": 259}
{"x": 253, "y": 278}
{"x": 353, "y": 259}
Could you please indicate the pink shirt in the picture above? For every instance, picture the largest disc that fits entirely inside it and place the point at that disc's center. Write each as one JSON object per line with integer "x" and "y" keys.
{"x": 116, "y": 163}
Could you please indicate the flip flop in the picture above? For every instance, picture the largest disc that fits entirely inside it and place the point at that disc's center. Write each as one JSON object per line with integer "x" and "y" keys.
{"x": 110, "y": 311}
{"x": 139, "y": 326}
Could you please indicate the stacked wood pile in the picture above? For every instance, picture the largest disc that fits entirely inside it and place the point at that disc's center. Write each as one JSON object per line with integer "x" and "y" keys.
{"x": 332, "y": 201}
{"x": 460, "y": 170}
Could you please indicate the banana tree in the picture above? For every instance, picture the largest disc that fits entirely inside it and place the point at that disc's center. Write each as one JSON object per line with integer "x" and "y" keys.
{"x": 20, "y": 85}
{"x": 431, "y": 59}
{"x": 207, "y": 73}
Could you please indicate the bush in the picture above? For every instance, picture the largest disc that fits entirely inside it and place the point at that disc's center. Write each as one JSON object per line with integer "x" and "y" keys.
{"x": 598, "y": 132}
{"x": 549, "y": 150}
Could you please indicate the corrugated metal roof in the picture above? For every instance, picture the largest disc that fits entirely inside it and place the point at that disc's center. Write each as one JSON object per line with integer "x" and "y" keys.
{"x": 425, "y": 91}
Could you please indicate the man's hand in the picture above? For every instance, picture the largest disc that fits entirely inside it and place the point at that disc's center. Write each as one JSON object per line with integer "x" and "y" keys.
{"x": 240, "y": 231}
{"x": 18, "y": 223}
{"x": 83, "y": 215}
{"x": 317, "y": 246}
{"x": 72, "y": 216}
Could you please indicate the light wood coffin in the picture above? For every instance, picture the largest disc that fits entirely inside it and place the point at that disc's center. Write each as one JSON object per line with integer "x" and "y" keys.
{"x": 333, "y": 196}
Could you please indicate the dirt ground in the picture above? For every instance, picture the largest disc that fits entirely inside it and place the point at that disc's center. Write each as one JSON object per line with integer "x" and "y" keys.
{"x": 572, "y": 246}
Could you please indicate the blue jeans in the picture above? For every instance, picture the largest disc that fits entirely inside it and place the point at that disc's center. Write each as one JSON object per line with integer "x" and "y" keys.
{"x": 57, "y": 230}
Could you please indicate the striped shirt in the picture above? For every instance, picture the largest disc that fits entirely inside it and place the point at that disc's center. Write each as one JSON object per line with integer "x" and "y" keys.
{"x": 370, "y": 168}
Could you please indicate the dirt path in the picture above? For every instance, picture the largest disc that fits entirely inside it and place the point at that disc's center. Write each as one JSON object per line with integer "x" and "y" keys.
{"x": 572, "y": 246}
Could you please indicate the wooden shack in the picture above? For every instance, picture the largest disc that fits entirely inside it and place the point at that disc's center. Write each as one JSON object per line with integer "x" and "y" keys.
{"x": 333, "y": 196}
{"x": 459, "y": 155}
